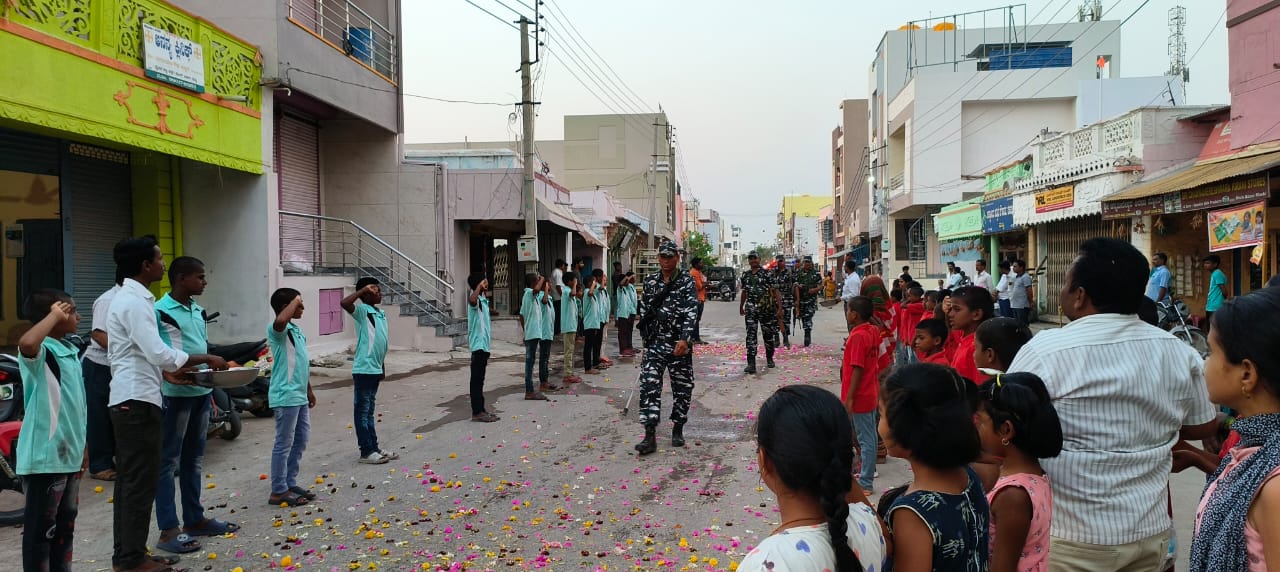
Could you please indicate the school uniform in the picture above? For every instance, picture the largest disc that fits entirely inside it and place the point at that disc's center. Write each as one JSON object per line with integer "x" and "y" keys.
{"x": 290, "y": 377}
{"x": 367, "y": 371}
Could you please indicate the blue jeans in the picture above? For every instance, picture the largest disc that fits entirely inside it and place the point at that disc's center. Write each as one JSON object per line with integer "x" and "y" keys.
{"x": 532, "y": 349}
{"x": 186, "y": 423}
{"x": 1022, "y": 315}
{"x": 865, "y": 425}
{"x": 101, "y": 437}
{"x": 366, "y": 398}
{"x": 293, "y": 430}
{"x": 1005, "y": 311}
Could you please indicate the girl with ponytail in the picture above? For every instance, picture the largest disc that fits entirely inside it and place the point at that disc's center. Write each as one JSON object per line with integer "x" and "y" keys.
{"x": 805, "y": 455}
{"x": 1019, "y": 426}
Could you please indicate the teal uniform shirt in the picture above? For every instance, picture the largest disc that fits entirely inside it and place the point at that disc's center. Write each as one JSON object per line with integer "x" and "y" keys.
{"x": 371, "y": 340}
{"x": 531, "y": 311}
{"x": 569, "y": 308}
{"x": 478, "y": 327}
{"x": 548, "y": 317}
{"x": 1215, "y": 298}
{"x": 182, "y": 328}
{"x": 52, "y": 438}
{"x": 627, "y": 301}
{"x": 595, "y": 310}
{"x": 290, "y": 366}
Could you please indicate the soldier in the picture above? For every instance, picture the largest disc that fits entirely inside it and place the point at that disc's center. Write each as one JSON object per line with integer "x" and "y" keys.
{"x": 761, "y": 304}
{"x": 668, "y": 311}
{"x": 784, "y": 280}
{"x": 808, "y": 285}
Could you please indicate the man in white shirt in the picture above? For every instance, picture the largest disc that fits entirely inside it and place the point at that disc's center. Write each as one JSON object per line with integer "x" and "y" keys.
{"x": 953, "y": 277}
{"x": 983, "y": 278}
{"x": 97, "y": 391}
{"x": 138, "y": 356}
{"x": 1003, "y": 306}
{"x": 557, "y": 282}
{"x": 1140, "y": 389}
{"x": 852, "y": 282}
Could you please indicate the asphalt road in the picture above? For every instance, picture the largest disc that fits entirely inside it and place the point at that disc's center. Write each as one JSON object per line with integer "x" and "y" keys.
{"x": 554, "y": 485}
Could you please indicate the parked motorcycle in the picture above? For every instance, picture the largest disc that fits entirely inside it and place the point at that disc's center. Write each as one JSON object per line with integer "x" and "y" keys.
{"x": 225, "y": 405}
{"x": 1173, "y": 314}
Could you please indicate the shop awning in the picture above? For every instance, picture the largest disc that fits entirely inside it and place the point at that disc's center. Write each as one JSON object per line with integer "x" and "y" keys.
{"x": 564, "y": 218}
{"x": 1197, "y": 175}
{"x": 840, "y": 254}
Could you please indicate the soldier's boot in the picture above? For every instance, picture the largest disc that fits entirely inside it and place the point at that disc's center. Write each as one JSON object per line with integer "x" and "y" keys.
{"x": 677, "y": 435}
{"x": 786, "y": 341}
{"x": 650, "y": 443}
{"x": 808, "y": 337}
{"x": 768, "y": 356}
{"x": 751, "y": 364}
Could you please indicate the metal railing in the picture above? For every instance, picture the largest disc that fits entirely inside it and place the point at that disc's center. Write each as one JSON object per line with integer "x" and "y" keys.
{"x": 345, "y": 26}
{"x": 315, "y": 244}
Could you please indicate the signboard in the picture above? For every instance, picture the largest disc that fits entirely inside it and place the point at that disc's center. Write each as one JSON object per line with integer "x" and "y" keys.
{"x": 1160, "y": 204}
{"x": 172, "y": 59}
{"x": 997, "y": 216}
{"x": 963, "y": 250}
{"x": 1219, "y": 142}
{"x": 527, "y": 249}
{"x": 1228, "y": 192}
{"x": 1238, "y": 227}
{"x": 1055, "y": 199}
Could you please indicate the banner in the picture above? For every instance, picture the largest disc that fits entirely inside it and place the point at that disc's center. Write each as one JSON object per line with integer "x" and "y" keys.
{"x": 172, "y": 59}
{"x": 1056, "y": 199}
{"x": 997, "y": 215}
{"x": 1237, "y": 227}
{"x": 963, "y": 250}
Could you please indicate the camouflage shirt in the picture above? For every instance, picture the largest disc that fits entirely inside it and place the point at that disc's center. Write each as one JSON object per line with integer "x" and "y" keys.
{"x": 679, "y": 310}
{"x": 757, "y": 290}
{"x": 806, "y": 281}
{"x": 785, "y": 281}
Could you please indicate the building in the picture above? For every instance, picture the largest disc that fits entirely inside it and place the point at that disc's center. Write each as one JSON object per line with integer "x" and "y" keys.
{"x": 798, "y": 222}
{"x": 713, "y": 229}
{"x": 127, "y": 139}
{"x": 851, "y": 201}
{"x": 950, "y": 102}
{"x": 732, "y": 254}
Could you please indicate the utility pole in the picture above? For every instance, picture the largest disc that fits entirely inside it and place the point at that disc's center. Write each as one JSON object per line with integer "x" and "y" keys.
{"x": 526, "y": 107}
{"x": 653, "y": 183}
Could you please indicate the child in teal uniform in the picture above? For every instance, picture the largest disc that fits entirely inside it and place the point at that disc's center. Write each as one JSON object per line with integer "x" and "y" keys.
{"x": 368, "y": 370}
{"x": 186, "y": 415}
{"x": 532, "y": 316}
{"x": 570, "y": 308}
{"x": 628, "y": 303}
{"x": 291, "y": 398}
{"x": 479, "y": 335}
{"x": 51, "y": 446}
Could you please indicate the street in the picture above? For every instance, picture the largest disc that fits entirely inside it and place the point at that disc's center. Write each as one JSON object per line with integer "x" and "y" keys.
{"x": 553, "y": 485}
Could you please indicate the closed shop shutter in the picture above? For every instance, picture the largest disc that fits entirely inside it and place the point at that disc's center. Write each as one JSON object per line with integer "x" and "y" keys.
{"x": 297, "y": 157}
{"x": 97, "y": 184}
{"x": 1062, "y": 240}
{"x": 28, "y": 153}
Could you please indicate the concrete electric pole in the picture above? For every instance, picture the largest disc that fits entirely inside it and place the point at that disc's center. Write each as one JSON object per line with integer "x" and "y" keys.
{"x": 528, "y": 250}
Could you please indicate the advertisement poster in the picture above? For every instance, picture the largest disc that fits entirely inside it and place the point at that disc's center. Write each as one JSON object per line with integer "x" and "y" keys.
{"x": 1237, "y": 227}
{"x": 1056, "y": 199}
{"x": 963, "y": 250}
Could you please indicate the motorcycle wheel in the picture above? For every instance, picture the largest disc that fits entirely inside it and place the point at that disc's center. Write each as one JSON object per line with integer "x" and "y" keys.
{"x": 12, "y": 502}
{"x": 1195, "y": 338}
{"x": 233, "y": 427}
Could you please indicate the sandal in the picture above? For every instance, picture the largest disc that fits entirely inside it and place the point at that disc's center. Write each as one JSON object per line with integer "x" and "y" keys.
{"x": 183, "y": 543}
{"x": 549, "y": 387}
{"x": 107, "y": 475}
{"x": 166, "y": 560}
{"x": 289, "y": 499}
{"x": 485, "y": 417}
{"x": 214, "y": 527}
{"x": 304, "y": 493}
{"x": 535, "y": 396}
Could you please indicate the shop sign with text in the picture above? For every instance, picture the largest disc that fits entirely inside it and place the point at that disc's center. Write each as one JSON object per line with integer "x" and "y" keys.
{"x": 1228, "y": 192}
{"x": 172, "y": 59}
{"x": 1055, "y": 199}
{"x": 997, "y": 216}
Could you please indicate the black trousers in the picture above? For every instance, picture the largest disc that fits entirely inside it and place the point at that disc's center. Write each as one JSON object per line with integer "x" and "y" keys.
{"x": 626, "y": 327}
{"x": 479, "y": 364}
{"x": 49, "y": 522}
{"x": 101, "y": 439}
{"x": 591, "y": 348}
{"x": 139, "y": 428}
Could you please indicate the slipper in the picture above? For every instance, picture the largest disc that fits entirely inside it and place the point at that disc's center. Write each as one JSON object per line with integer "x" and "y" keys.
{"x": 549, "y": 387}
{"x": 485, "y": 417}
{"x": 304, "y": 493}
{"x": 166, "y": 560}
{"x": 183, "y": 543}
{"x": 214, "y": 527}
{"x": 107, "y": 475}
{"x": 535, "y": 396}
{"x": 287, "y": 499}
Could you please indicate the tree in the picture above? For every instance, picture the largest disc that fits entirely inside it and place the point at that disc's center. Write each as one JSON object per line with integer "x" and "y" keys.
{"x": 696, "y": 246}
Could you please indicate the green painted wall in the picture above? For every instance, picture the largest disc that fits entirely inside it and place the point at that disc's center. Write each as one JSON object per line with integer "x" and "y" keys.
{"x": 157, "y": 205}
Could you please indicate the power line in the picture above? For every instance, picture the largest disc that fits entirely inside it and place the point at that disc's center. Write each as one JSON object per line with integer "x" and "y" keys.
{"x": 494, "y": 16}
{"x": 1207, "y": 36}
{"x": 414, "y": 95}
{"x": 574, "y": 29}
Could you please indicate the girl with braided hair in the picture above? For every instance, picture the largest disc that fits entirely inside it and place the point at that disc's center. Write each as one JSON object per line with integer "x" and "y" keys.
{"x": 805, "y": 456}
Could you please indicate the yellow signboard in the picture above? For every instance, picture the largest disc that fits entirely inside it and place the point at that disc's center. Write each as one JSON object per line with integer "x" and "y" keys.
{"x": 1056, "y": 199}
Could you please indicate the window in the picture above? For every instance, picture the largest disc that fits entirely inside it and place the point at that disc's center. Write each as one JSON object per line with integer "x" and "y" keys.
{"x": 330, "y": 311}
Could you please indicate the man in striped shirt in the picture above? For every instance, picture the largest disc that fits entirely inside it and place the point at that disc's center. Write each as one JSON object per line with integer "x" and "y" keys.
{"x": 1140, "y": 390}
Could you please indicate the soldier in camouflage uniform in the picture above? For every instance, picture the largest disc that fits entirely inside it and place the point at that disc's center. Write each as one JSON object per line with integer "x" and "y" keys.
{"x": 808, "y": 285}
{"x": 761, "y": 305}
{"x": 668, "y": 347}
{"x": 784, "y": 280}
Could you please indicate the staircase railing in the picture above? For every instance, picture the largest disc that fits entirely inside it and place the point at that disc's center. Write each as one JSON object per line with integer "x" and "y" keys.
{"x": 316, "y": 244}
{"x": 918, "y": 245}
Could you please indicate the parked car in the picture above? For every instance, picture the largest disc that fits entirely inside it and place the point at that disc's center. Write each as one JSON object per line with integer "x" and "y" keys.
{"x": 722, "y": 283}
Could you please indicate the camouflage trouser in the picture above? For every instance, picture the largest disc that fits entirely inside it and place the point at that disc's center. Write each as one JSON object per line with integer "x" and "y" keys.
{"x": 767, "y": 322}
{"x": 656, "y": 360}
{"x": 807, "y": 309}
{"x": 786, "y": 317}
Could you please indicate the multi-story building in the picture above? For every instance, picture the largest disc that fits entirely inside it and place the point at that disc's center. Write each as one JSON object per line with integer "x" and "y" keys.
{"x": 798, "y": 224}
{"x": 731, "y": 254}
{"x": 950, "y": 102}
{"x": 712, "y": 228}
{"x": 851, "y": 203}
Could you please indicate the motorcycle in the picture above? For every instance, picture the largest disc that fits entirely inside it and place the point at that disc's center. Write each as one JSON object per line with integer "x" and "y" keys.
{"x": 225, "y": 405}
{"x": 1173, "y": 314}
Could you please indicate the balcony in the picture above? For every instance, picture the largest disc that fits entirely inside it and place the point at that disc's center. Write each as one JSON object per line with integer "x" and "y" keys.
{"x": 113, "y": 28}
{"x": 351, "y": 30}
{"x": 1088, "y": 151}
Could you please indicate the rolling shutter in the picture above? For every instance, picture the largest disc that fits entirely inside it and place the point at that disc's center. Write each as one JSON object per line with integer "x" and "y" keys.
{"x": 96, "y": 182}
{"x": 28, "y": 153}
{"x": 297, "y": 155}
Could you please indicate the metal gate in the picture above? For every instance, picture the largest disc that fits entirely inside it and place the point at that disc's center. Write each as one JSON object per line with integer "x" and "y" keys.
{"x": 96, "y": 185}
{"x": 297, "y": 158}
{"x": 1060, "y": 243}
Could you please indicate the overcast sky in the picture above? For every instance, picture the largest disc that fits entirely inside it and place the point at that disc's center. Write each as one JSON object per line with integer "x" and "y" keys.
{"x": 752, "y": 87}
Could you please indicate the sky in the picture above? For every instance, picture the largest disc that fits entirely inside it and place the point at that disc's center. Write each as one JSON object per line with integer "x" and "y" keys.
{"x": 752, "y": 88}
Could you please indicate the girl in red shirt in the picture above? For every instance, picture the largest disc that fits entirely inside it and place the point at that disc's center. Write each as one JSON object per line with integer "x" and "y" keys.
{"x": 970, "y": 307}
